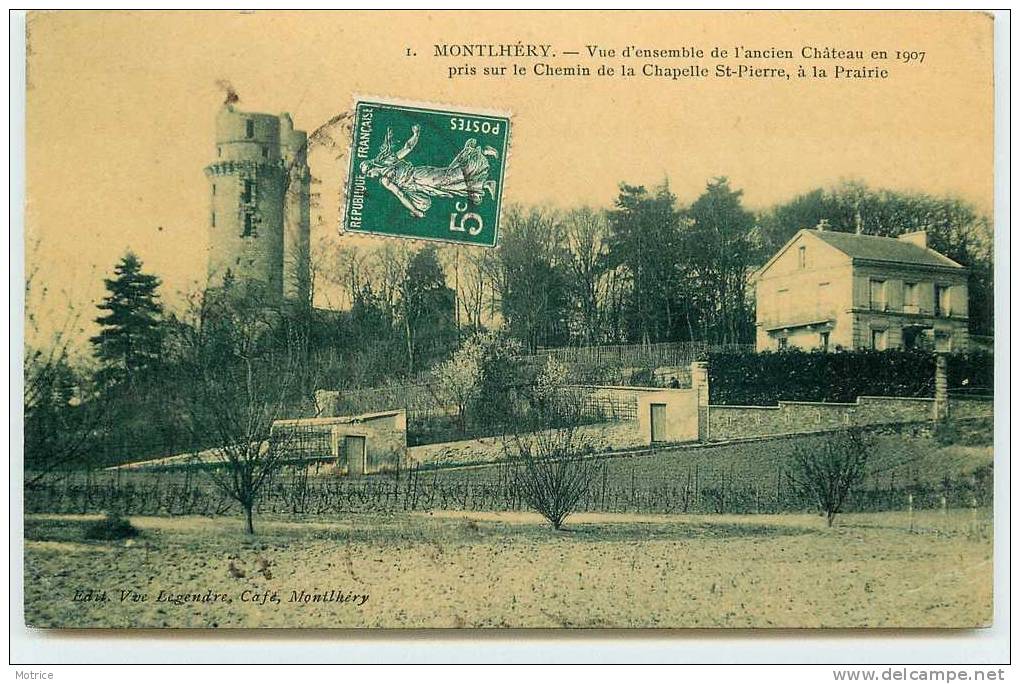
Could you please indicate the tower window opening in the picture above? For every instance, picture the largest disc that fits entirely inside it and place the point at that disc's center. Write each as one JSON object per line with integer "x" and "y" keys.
{"x": 214, "y": 219}
{"x": 247, "y": 191}
{"x": 249, "y": 226}
{"x": 214, "y": 189}
{"x": 265, "y": 152}
{"x": 249, "y": 128}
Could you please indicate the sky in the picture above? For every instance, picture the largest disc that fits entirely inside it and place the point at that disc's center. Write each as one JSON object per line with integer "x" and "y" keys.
{"x": 121, "y": 106}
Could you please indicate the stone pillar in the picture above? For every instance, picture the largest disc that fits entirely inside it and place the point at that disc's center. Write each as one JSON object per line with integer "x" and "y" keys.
{"x": 699, "y": 383}
{"x": 941, "y": 388}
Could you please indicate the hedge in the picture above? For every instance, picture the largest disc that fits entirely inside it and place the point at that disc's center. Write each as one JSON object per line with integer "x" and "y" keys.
{"x": 972, "y": 373}
{"x": 762, "y": 379}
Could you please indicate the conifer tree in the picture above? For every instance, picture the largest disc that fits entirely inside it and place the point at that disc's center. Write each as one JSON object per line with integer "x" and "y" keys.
{"x": 130, "y": 339}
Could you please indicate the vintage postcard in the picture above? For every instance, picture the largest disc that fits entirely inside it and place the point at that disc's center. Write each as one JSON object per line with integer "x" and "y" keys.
{"x": 463, "y": 319}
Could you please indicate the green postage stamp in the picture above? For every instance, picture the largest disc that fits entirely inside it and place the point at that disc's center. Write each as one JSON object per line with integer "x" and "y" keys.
{"x": 426, "y": 172}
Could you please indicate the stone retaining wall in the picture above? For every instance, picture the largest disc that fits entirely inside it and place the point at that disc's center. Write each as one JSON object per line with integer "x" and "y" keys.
{"x": 791, "y": 417}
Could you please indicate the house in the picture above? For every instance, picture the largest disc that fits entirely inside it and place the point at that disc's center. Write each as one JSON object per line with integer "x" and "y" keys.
{"x": 358, "y": 445}
{"x": 829, "y": 290}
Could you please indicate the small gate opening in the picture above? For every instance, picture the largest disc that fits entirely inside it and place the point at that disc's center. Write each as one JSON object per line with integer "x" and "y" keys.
{"x": 355, "y": 453}
{"x": 657, "y": 418}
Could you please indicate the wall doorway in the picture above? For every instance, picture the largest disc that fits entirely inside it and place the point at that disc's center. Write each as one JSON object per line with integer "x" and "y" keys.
{"x": 354, "y": 449}
{"x": 657, "y": 418}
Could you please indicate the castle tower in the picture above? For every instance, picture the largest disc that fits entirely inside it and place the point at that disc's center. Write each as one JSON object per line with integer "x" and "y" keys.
{"x": 296, "y": 213}
{"x": 250, "y": 198}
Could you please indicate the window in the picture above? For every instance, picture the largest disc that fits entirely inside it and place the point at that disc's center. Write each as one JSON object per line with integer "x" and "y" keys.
{"x": 249, "y": 128}
{"x": 214, "y": 219}
{"x": 249, "y": 225}
{"x": 942, "y": 300}
{"x": 214, "y": 189}
{"x": 916, "y": 337}
{"x": 878, "y": 295}
{"x": 247, "y": 191}
{"x": 823, "y": 340}
{"x": 265, "y": 152}
{"x": 801, "y": 257}
{"x": 910, "y": 297}
{"x": 782, "y": 343}
{"x": 878, "y": 340}
{"x": 219, "y": 151}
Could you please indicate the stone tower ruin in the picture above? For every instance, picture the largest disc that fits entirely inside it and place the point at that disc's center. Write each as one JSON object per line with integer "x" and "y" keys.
{"x": 259, "y": 219}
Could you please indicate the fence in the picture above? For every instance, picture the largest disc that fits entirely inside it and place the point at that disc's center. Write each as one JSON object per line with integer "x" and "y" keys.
{"x": 638, "y": 355}
{"x": 625, "y": 485}
{"x": 594, "y": 406}
{"x": 696, "y": 491}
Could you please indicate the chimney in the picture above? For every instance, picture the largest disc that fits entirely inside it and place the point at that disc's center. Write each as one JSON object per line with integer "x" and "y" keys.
{"x": 918, "y": 237}
{"x": 823, "y": 225}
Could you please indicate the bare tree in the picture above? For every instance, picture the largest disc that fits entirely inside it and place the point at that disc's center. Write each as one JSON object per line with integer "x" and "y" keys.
{"x": 828, "y": 469}
{"x": 242, "y": 381}
{"x": 586, "y": 233}
{"x": 531, "y": 276}
{"x": 248, "y": 452}
{"x": 553, "y": 467}
{"x": 344, "y": 267}
{"x": 318, "y": 271}
{"x": 475, "y": 286}
{"x": 388, "y": 270}
{"x": 63, "y": 421}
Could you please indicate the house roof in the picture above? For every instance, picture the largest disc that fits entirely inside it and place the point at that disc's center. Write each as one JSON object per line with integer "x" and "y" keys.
{"x": 876, "y": 248}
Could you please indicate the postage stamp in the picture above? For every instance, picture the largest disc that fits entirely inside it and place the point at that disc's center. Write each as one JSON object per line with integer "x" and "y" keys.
{"x": 426, "y": 173}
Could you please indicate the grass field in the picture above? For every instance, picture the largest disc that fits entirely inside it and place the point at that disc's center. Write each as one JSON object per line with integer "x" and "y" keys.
{"x": 453, "y": 569}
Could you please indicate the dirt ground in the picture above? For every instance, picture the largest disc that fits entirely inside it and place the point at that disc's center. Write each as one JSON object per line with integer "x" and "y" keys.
{"x": 511, "y": 570}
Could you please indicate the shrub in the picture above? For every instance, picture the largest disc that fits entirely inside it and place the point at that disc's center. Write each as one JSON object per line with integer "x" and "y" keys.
{"x": 550, "y": 462}
{"x": 553, "y": 471}
{"x": 111, "y": 526}
{"x": 971, "y": 373}
{"x": 762, "y": 379}
{"x": 642, "y": 377}
{"x": 828, "y": 472}
{"x": 592, "y": 373}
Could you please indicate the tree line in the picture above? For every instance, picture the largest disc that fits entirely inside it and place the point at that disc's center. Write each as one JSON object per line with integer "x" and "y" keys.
{"x": 649, "y": 269}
